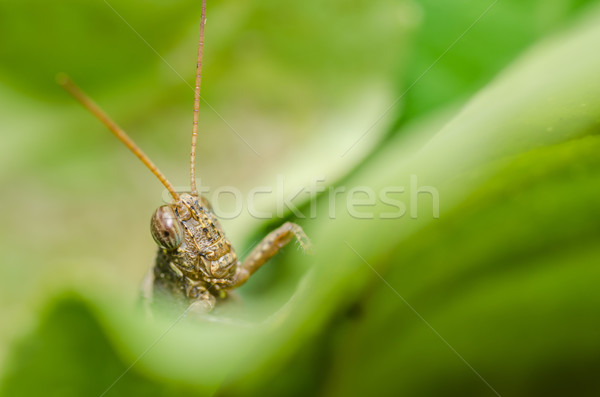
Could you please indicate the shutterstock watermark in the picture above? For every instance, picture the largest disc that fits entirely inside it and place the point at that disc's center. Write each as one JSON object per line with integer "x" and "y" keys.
{"x": 318, "y": 199}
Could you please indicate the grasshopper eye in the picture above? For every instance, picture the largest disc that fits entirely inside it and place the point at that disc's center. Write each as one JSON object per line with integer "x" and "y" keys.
{"x": 165, "y": 228}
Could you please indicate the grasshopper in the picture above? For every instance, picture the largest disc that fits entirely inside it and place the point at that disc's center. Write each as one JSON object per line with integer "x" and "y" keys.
{"x": 196, "y": 263}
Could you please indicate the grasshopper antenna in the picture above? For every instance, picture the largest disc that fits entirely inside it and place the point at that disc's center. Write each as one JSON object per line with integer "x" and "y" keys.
{"x": 194, "y": 191}
{"x": 90, "y": 105}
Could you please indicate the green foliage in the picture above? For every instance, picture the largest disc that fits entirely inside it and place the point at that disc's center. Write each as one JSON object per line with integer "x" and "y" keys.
{"x": 70, "y": 355}
{"x": 498, "y": 293}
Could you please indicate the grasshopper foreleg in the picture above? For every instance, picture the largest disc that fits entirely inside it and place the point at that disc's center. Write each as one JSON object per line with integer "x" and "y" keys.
{"x": 268, "y": 247}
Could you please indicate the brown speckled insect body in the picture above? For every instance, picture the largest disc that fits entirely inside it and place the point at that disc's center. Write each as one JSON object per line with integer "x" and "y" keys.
{"x": 196, "y": 263}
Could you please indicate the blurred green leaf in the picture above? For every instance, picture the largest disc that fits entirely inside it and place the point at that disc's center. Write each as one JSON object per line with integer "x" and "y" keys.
{"x": 70, "y": 355}
{"x": 41, "y": 39}
{"x": 506, "y": 275}
{"x": 491, "y": 35}
{"x": 508, "y": 279}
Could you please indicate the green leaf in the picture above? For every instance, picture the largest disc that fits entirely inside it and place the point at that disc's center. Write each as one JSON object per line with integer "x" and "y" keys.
{"x": 506, "y": 274}
{"x": 508, "y": 279}
{"x": 69, "y": 354}
{"x": 491, "y": 34}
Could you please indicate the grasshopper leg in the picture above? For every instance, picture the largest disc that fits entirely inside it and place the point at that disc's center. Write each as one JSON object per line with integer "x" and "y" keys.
{"x": 268, "y": 247}
{"x": 204, "y": 303}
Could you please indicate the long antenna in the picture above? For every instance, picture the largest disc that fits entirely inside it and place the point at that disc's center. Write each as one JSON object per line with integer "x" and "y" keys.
{"x": 197, "y": 100}
{"x": 90, "y": 105}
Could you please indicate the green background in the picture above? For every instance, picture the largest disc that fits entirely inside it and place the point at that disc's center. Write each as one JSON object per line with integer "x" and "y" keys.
{"x": 494, "y": 104}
